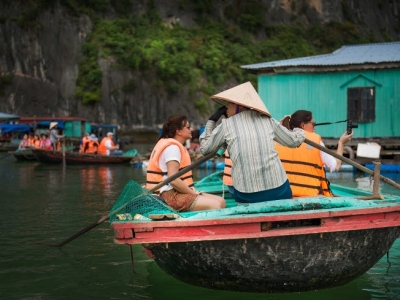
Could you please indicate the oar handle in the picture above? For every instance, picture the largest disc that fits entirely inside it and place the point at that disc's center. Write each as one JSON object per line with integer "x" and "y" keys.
{"x": 350, "y": 162}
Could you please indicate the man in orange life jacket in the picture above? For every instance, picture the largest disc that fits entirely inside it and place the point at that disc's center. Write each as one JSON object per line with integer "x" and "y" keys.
{"x": 168, "y": 157}
{"x": 304, "y": 165}
{"x": 107, "y": 146}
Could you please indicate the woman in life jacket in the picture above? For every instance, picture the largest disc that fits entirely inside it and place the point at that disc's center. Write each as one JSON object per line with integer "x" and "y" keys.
{"x": 24, "y": 144}
{"x": 36, "y": 141}
{"x": 305, "y": 165}
{"x": 170, "y": 156}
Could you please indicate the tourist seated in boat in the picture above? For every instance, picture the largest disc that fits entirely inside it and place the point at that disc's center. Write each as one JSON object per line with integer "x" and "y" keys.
{"x": 54, "y": 136}
{"x": 36, "y": 141}
{"x": 249, "y": 132}
{"x": 83, "y": 142}
{"x": 24, "y": 144}
{"x": 168, "y": 157}
{"x": 305, "y": 165}
{"x": 45, "y": 142}
{"x": 91, "y": 145}
{"x": 31, "y": 138}
{"x": 227, "y": 175}
{"x": 107, "y": 146}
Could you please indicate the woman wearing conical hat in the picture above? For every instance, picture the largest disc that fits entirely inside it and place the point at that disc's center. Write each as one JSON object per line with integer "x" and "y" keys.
{"x": 249, "y": 133}
{"x": 54, "y": 136}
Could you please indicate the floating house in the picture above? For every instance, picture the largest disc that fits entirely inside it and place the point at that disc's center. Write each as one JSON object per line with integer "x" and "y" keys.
{"x": 5, "y": 118}
{"x": 73, "y": 128}
{"x": 356, "y": 82}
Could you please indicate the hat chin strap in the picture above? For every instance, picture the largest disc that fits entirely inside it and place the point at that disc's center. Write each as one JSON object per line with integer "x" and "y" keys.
{"x": 237, "y": 109}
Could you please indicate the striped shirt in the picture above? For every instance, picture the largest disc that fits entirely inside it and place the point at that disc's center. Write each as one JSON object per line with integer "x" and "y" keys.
{"x": 249, "y": 137}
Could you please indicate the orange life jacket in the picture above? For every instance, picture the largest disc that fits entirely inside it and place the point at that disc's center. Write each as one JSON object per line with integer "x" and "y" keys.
{"x": 227, "y": 177}
{"x": 36, "y": 143}
{"x": 102, "y": 147}
{"x": 85, "y": 139}
{"x": 91, "y": 147}
{"x": 154, "y": 174}
{"x": 304, "y": 168}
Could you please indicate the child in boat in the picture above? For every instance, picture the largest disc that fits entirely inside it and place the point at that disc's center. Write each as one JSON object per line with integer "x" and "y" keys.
{"x": 24, "y": 144}
{"x": 45, "y": 142}
{"x": 249, "y": 133}
{"x": 168, "y": 157}
{"x": 305, "y": 165}
{"x": 36, "y": 141}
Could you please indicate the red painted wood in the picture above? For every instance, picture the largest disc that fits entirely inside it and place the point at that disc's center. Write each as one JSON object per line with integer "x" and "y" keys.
{"x": 210, "y": 230}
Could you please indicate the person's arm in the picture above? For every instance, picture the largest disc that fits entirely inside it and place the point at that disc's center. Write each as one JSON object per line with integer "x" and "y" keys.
{"x": 342, "y": 141}
{"x": 212, "y": 138}
{"x": 56, "y": 135}
{"x": 328, "y": 160}
{"x": 108, "y": 144}
{"x": 178, "y": 184}
{"x": 285, "y": 137}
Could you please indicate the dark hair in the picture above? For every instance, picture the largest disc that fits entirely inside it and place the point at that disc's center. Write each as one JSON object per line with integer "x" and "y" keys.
{"x": 173, "y": 124}
{"x": 298, "y": 117}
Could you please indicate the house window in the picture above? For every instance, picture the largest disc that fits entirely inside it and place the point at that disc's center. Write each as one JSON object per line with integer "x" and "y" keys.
{"x": 361, "y": 104}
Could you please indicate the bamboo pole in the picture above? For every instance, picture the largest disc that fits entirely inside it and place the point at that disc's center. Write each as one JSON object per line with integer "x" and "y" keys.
{"x": 353, "y": 163}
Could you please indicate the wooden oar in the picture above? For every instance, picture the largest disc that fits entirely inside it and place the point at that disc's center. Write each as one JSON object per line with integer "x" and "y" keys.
{"x": 64, "y": 162}
{"x": 5, "y": 156}
{"x": 350, "y": 162}
{"x": 166, "y": 181}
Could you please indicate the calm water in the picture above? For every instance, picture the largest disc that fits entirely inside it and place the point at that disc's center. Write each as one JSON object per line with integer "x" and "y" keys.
{"x": 45, "y": 204}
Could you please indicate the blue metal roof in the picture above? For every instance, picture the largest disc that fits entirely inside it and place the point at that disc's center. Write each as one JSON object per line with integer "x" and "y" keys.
{"x": 346, "y": 55}
{"x": 14, "y": 128}
{"x": 8, "y": 117}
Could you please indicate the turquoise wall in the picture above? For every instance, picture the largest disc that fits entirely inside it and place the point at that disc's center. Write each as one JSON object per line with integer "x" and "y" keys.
{"x": 76, "y": 129}
{"x": 325, "y": 94}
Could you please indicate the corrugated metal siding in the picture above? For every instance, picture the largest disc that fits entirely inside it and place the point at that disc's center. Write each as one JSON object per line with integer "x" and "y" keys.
{"x": 325, "y": 95}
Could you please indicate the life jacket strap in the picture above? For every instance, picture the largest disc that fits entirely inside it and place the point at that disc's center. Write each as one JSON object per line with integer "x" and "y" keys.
{"x": 301, "y": 163}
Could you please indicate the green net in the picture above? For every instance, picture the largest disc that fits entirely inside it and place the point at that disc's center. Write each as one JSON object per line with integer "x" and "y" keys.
{"x": 132, "y": 152}
{"x": 136, "y": 200}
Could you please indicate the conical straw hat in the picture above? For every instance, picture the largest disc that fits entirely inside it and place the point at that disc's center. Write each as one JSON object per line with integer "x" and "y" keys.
{"x": 244, "y": 95}
{"x": 53, "y": 124}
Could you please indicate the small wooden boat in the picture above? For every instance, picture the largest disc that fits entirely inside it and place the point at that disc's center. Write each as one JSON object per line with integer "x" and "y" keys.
{"x": 276, "y": 246}
{"x": 73, "y": 158}
{"x": 23, "y": 155}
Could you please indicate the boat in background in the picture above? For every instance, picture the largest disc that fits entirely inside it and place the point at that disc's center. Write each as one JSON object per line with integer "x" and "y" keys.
{"x": 73, "y": 128}
{"x": 276, "y": 246}
{"x": 75, "y": 158}
{"x": 22, "y": 154}
{"x": 11, "y": 135}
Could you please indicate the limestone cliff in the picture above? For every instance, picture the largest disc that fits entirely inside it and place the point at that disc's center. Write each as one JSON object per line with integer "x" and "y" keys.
{"x": 39, "y": 61}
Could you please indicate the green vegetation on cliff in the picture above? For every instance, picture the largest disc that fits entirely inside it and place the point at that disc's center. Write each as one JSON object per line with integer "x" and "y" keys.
{"x": 199, "y": 58}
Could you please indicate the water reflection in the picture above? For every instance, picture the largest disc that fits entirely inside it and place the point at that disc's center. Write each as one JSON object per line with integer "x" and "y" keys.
{"x": 45, "y": 204}
{"x": 96, "y": 179}
{"x": 384, "y": 277}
